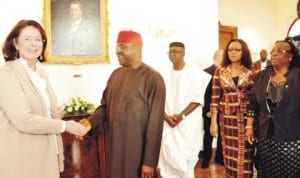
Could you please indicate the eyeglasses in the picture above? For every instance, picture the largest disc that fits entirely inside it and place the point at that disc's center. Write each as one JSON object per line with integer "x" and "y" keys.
{"x": 280, "y": 51}
{"x": 235, "y": 49}
{"x": 31, "y": 39}
{"x": 175, "y": 52}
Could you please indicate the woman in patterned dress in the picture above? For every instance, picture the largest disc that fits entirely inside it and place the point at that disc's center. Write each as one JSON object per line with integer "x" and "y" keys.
{"x": 231, "y": 85}
{"x": 275, "y": 105}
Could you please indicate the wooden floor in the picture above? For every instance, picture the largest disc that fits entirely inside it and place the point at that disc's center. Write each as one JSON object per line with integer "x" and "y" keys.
{"x": 213, "y": 171}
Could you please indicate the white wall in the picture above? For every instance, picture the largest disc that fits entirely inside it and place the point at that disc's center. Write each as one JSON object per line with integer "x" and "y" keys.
{"x": 194, "y": 22}
{"x": 159, "y": 21}
{"x": 260, "y": 22}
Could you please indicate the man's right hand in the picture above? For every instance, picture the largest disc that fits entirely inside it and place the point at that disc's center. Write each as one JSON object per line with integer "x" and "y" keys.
{"x": 171, "y": 120}
{"x": 86, "y": 123}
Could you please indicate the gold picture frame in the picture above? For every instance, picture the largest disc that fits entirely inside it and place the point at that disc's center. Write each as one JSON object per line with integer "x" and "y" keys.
{"x": 92, "y": 36}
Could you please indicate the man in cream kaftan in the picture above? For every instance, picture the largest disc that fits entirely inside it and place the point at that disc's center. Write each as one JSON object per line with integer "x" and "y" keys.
{"x": 183, "y": 126}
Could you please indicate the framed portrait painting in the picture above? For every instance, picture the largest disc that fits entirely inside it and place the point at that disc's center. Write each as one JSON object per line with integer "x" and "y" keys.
{"x": 77, "y": 31}
{"x": 293, "y": 34}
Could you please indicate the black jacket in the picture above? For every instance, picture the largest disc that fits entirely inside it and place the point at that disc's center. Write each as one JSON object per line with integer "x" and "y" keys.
{"x": 286, "y": 117}
{"x": 207, "y": 96}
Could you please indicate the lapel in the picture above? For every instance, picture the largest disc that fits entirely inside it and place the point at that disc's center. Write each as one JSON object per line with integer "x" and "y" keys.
{"x": 285, "y": 98}
{"x": 227, "y": 78}
{"x": 263, "y": 78}
{"x": 24, "y": 78}
{"x": 263, "y": 81}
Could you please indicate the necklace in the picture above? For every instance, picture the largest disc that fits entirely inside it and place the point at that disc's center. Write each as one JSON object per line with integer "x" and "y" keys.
{"x": 235, "y": 66}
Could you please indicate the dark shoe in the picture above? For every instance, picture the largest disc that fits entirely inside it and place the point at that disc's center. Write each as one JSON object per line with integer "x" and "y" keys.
{"x": 205, "y": 164}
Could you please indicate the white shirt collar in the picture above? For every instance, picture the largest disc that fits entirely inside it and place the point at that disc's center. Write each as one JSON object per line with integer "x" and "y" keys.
{"x": 25, "y": 64}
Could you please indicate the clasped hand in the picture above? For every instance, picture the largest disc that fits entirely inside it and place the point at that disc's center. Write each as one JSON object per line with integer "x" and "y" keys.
{"x": 173, "y": 120}
{"x": 76, "y": 129}
{"x": 86, "y": 126}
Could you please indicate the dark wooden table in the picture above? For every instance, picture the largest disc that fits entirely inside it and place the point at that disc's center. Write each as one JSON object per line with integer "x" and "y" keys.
{"x": 83, "y": 158}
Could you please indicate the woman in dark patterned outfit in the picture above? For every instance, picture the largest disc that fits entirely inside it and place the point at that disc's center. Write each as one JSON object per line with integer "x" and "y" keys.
{"x": 275, "y": 104}
{"x": 231, "y": 85}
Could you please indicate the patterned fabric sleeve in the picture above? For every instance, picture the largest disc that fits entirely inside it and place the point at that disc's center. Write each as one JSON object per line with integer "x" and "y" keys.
{"x": 216, "y": 93}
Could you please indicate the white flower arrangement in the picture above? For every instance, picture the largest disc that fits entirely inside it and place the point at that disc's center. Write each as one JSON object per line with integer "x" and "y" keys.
{"x": 77, "y": 105}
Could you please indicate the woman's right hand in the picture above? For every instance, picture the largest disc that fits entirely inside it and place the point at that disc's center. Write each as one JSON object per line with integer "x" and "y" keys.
{"x": 76, "y": 128}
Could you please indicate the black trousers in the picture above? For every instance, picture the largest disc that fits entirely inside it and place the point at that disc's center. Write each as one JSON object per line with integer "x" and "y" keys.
{"x": 208, "y": 139}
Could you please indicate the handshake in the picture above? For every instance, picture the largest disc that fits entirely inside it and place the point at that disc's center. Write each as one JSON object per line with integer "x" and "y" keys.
{"x": 79, "y": 129}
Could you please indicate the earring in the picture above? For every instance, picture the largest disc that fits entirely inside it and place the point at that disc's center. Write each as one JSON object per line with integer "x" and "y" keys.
{"x": 17, "y": 54}
{"x": 40, "y": 58}
{"x": 290, "y": 59}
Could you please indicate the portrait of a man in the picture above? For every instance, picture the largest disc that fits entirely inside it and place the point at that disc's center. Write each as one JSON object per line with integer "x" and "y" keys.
{"x": 75, "y": 28}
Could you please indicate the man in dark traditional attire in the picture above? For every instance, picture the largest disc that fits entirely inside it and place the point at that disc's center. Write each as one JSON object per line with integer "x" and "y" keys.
{"x": 208, "y": 138}
{"x": 132, "y": 110}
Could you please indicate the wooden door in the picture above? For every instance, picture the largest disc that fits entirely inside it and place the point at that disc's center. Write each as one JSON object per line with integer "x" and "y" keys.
{"x": 225, "y": 34}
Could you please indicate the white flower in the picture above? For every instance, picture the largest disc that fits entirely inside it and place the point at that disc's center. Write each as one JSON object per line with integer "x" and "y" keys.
{"x": 69, "y": 109}
{"x": 76, "y": 105}
{"x": 77, "y": 108}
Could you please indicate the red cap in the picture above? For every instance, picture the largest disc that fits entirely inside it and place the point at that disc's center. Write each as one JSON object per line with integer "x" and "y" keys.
{"x": 129, "y": 37}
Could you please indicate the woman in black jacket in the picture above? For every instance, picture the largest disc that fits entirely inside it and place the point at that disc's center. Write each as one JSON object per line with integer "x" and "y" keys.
{"x": 275, "y": 110}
